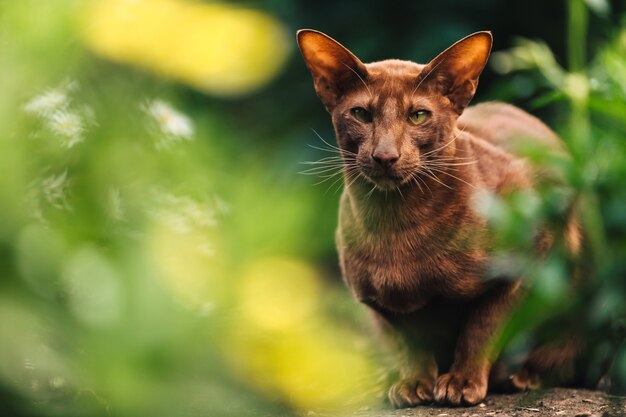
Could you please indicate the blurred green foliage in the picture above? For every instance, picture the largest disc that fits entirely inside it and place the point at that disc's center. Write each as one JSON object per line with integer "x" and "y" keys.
{"x": 159, "y": 253}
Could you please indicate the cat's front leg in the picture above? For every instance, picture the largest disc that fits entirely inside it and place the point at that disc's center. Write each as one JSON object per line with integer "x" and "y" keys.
{"x": 416, "y": 383}
{"x": 463, "y": 386}
{"x": 467, "y": 381}
{"x": 417, "y": 365}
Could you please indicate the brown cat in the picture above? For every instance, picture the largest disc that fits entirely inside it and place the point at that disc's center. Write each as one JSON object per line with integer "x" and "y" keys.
{"x": 412, "y": 245}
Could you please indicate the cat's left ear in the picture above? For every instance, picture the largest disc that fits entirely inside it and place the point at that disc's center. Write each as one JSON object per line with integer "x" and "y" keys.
{"x": 456, "y": 70}
{"x": 334, "y": 68}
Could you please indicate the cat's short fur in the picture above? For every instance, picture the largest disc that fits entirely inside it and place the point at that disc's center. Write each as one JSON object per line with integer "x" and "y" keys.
{"x": 412, "y": 245}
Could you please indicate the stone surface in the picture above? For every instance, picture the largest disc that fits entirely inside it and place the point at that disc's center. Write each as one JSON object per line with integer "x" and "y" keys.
{"x": 552, "y": 402}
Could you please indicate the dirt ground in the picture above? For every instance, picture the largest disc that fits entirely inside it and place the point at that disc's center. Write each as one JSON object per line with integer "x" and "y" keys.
{"x": 553, "y": 402}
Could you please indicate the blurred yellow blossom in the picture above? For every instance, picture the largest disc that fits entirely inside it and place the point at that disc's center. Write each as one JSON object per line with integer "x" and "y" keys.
{"x": 182, "y": 243}
{"x": 279, "y": 293}
{"x": 217, "y": 48}
{"x": 285, "y": 348}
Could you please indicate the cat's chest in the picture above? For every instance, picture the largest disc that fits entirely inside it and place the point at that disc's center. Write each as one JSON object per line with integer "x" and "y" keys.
{"x": 403, "y": 271}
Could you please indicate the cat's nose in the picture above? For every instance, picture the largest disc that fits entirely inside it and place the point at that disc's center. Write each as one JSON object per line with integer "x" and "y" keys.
{"x": 385, "y": 158}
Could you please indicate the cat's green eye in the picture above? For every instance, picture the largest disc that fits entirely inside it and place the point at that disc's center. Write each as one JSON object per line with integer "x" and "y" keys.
{"x": 419, "y": 117}
{"x": 361, "y": 114}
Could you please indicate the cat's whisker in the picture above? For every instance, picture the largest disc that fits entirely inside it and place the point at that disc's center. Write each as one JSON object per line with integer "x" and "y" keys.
{"x": 321, "y": 149}
{"x": 331, "y": 166}
{"x": 321, "y": 173}
{"x": 445, "y": 145}
{"x": 323, "y": 166}
{"x": 439, "y": 148}
{"x": 453, "y": 176}
{"x": 413, "y": 181}
{"x": 330, "y": 175}
{"x": 417, "y": 177}
{"x": 339, "y": 152}
{"x": 400, "y": 191}
{"x": 356, "y": 177}
{"x": 320, "y": 170}
{"x": 369, "y": 194}
{"x": 419, "y": 181}
{"x": 325, "y": 159}
{"x": 331, "y": 145}
{"x": 433, "y": 176}
{"x": 450, "y": 167}
{"x": 447, "y": 168}
{"x": 332, "y": 150}
{"x": 448, "y": 164}
{"x": 436, "y": 158}
{"x": 341, "y": 177}
{"x": 324, "y": 162}
{"x": 360, "y": 78}
{"x": 424, "y": 78}
{"x": 338, "y": 171}
{"x": 450, "y": 158}
{"x": 327, "y": 178}
{"x": 352, "y": 175}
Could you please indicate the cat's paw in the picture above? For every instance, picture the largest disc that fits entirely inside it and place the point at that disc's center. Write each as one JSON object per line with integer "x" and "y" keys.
{"x": 526, "y": 380}
{"x": 411, "y": 392}
{"x": 456, "y": 388}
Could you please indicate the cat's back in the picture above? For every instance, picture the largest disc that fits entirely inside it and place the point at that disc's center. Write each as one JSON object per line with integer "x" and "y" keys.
{"x": 506, "y": 126}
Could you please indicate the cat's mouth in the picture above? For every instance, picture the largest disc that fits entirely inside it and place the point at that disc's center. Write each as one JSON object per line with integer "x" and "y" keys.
{"x": 386, "y": 181}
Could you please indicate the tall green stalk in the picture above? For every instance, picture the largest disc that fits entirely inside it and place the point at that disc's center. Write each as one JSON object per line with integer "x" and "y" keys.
{"x": 576, "y": 35}
{"x": 580, "y": 136}
{"x": 577, "y": 82}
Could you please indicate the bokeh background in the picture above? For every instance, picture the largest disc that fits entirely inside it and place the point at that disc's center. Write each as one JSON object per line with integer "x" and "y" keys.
{"x": 162, "y": 255}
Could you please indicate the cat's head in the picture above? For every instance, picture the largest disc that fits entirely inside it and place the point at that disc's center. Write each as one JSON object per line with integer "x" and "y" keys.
{"x": 390, "y": 116}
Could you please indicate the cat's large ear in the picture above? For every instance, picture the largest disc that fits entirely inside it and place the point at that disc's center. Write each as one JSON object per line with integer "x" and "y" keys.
{"x": 456, "y": 70}
{"x": 334, "y": 68}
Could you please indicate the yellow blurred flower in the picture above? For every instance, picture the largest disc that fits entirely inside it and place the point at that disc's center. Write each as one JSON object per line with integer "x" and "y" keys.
{"x": 284, "y": 346}
{"x": 181, "y": 241}
{"x": 279, "y": 293}
{"x": 187, "y": 272}
{"x": 217, "y": 48}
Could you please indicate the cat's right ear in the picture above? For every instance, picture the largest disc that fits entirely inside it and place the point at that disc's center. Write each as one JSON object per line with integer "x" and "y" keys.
{"x": 334, "y": 68}
{"x": 455, "y": 71}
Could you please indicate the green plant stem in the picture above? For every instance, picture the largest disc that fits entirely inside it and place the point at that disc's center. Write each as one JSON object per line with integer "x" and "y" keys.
{"x": 576, "y": 35}
{"x": 580, "y": 129}
{"x": 580, "y": 125}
